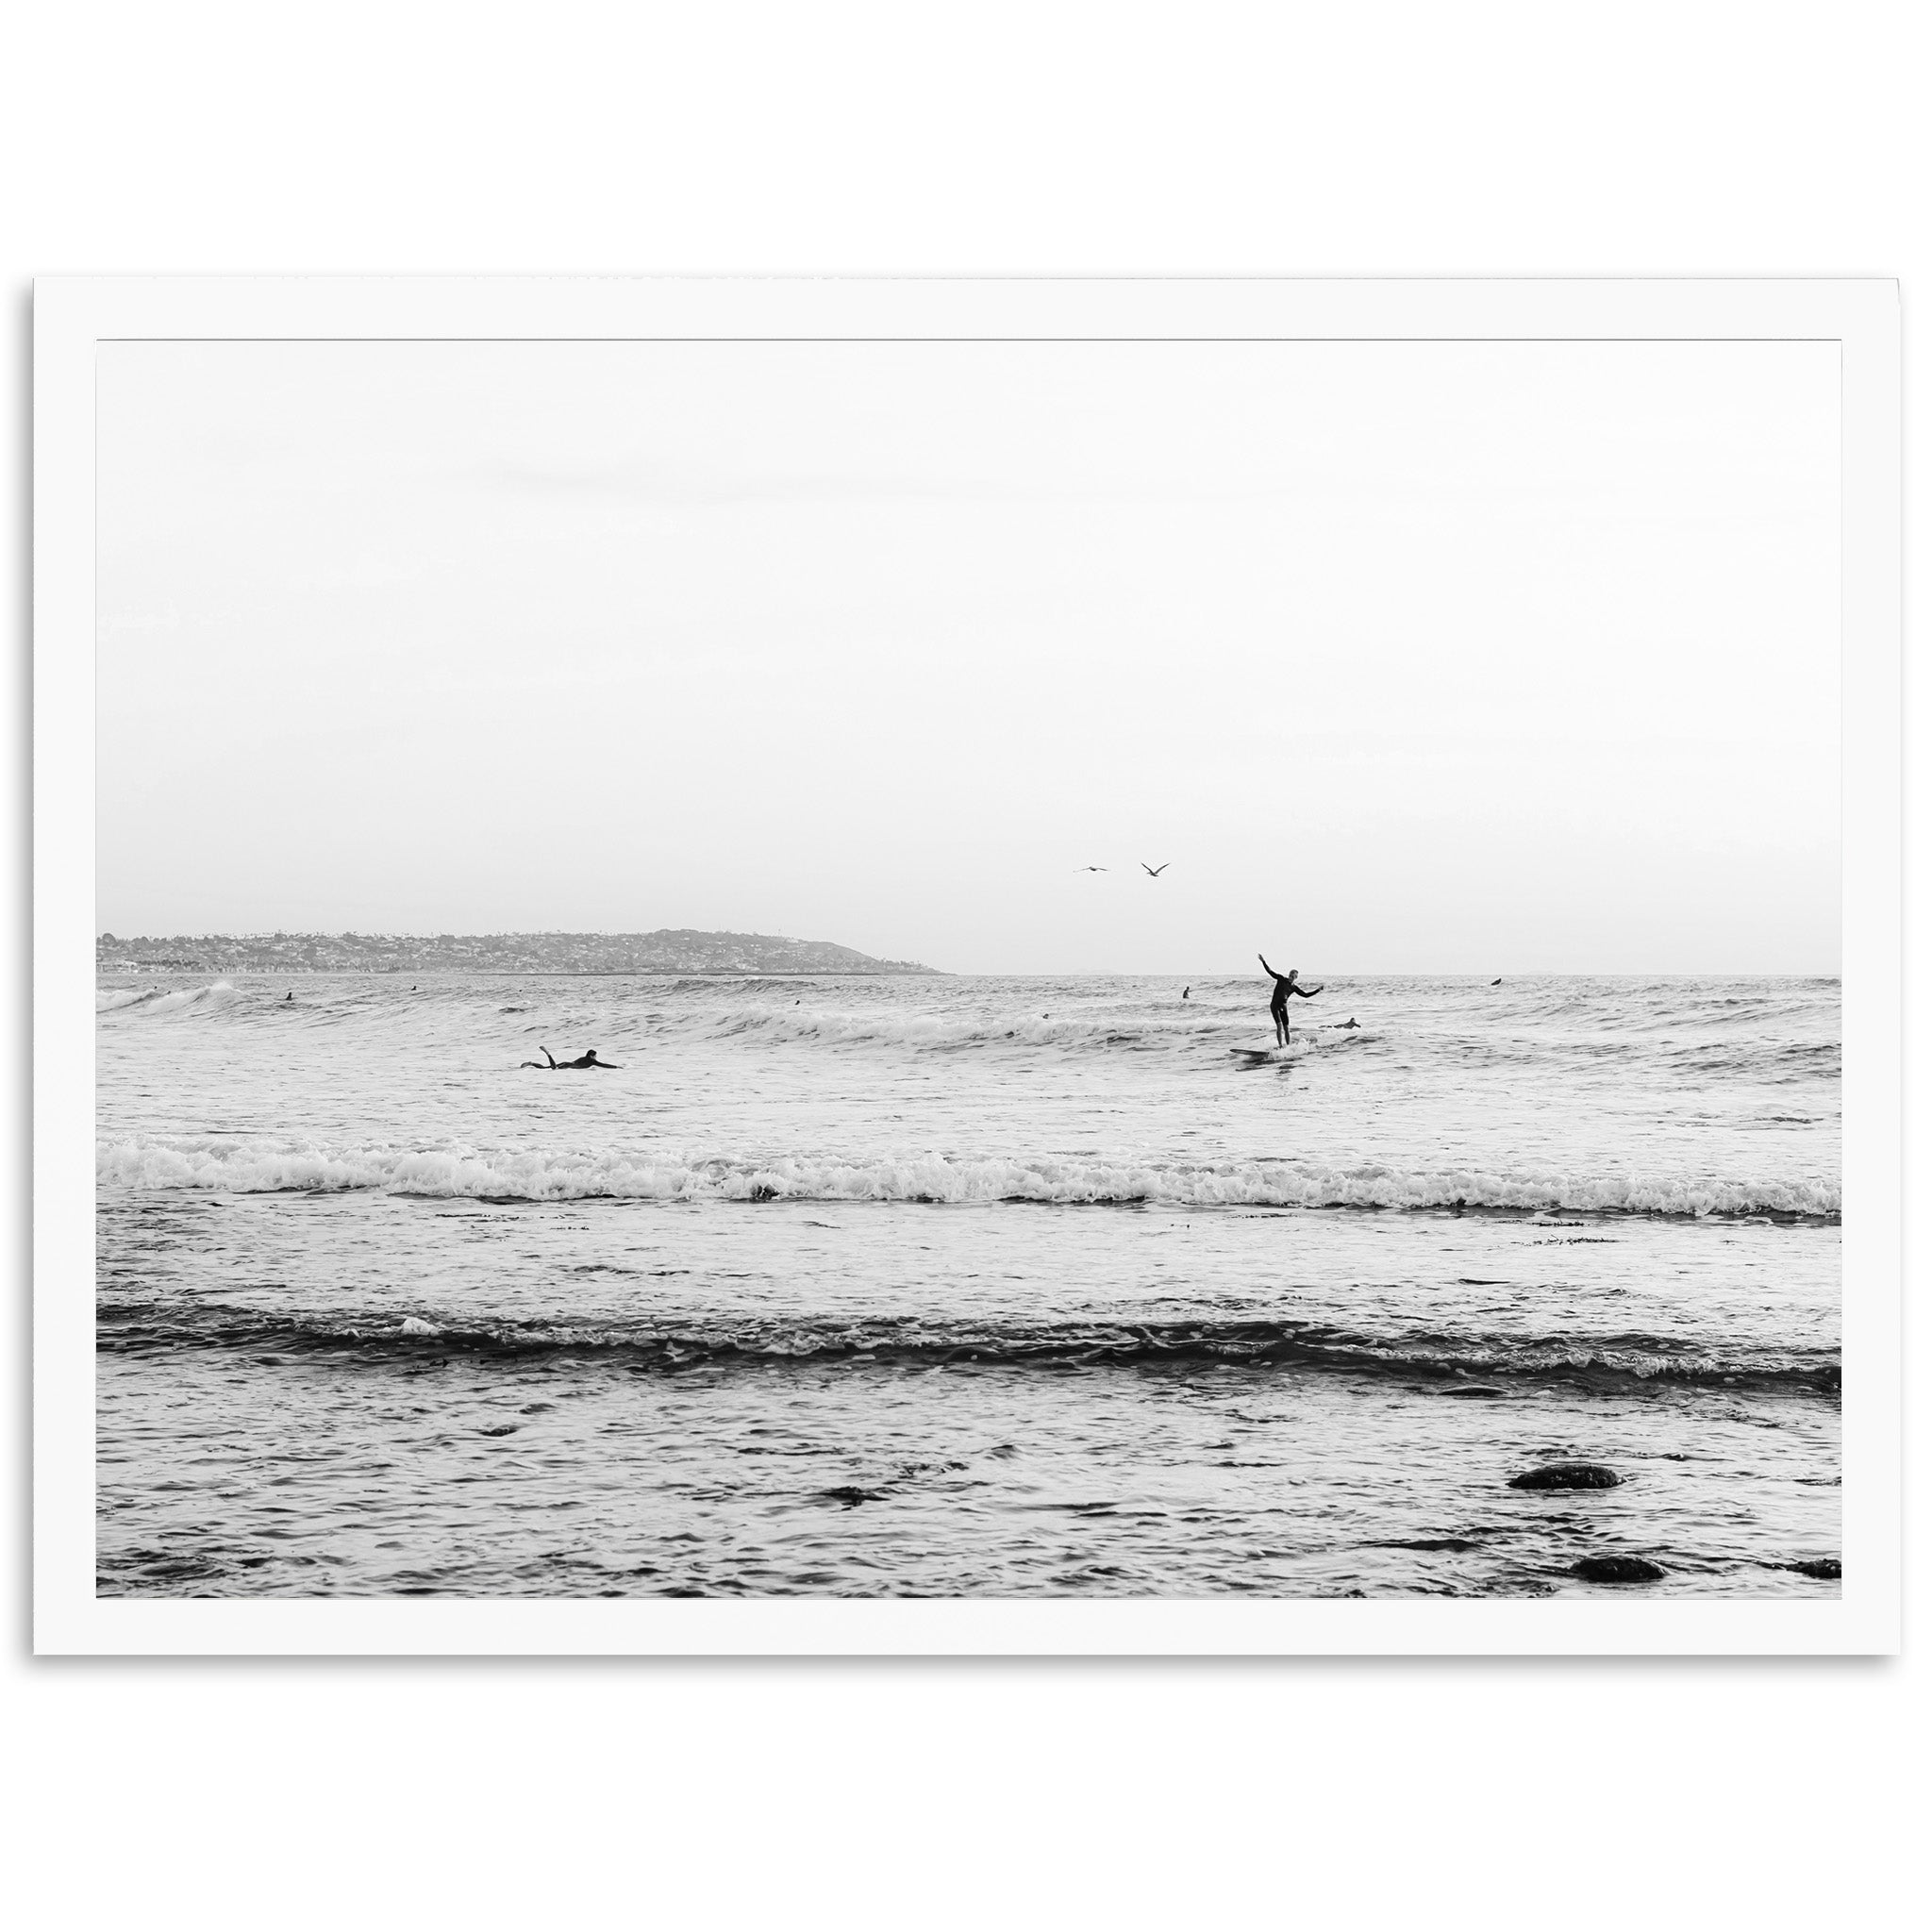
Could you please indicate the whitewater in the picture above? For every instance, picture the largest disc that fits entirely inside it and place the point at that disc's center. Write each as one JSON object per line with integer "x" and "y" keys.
{"x": 964, "y": 1285}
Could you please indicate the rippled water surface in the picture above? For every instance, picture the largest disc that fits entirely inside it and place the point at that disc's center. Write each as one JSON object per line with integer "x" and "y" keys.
{"x": 953, "y": 1285}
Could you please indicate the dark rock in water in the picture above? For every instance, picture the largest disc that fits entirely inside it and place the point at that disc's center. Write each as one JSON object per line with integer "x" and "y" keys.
{"x": 1616, "y": 1570}
{"x": 1827, "y": 1567}
{"x": 852, "y": 1495}
{"x": 1473, "y": 1389}
{"x": 501, "y": 1429}
{"x": 1567, "y": 1475}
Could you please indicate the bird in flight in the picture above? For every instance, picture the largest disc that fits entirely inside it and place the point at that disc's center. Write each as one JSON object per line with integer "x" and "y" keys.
{"x": 1154, "y": 872}
{"x": 1090, "y": 868}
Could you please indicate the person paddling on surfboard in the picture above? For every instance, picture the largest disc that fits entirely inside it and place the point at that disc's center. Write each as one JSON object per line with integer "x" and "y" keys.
{"x": 1277, "y": 1002}
{"x": 558, "y": 1066}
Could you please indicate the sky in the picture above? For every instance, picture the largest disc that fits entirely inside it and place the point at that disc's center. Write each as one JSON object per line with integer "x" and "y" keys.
{"x": 1399, "y": 656}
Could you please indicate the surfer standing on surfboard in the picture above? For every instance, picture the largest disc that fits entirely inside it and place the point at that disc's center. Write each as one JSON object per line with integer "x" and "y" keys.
{"x": 1277, "y": 1003}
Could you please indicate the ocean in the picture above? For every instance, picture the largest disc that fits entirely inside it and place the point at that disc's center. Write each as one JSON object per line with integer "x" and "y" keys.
{"x": 961, "y": 1286}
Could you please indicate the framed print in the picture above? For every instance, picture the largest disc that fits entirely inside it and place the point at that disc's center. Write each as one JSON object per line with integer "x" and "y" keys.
{"x": 966, "y": 966}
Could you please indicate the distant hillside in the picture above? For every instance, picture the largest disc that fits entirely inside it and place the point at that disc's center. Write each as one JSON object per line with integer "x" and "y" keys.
{"x": 506, "y": 952}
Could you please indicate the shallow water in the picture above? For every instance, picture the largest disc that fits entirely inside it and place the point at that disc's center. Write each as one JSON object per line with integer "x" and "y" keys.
{"x": 964, "y": 1287}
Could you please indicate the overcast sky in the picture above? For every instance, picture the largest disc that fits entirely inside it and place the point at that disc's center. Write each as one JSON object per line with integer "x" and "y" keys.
{"x": 1402, "y": 657}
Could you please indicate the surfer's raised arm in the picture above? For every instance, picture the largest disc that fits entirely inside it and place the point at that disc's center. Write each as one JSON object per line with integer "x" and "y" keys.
{"x": 1288, "y": 979}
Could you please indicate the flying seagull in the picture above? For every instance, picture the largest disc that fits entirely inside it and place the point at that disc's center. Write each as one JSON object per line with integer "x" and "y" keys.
{"x": 1154, "y": 872}
{"x": 1090, "y": 868}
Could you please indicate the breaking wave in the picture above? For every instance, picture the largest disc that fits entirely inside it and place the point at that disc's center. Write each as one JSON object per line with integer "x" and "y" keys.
{"x": 159, "y": 999}
{"x": 552, "y": 1174}
{"x": 1460, "y": 1365}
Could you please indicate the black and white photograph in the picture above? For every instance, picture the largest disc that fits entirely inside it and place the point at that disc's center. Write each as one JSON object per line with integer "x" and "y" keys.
{"x": 972, "y": 969}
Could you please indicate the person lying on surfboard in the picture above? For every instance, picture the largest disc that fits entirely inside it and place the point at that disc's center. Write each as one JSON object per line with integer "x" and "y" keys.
{"x": 1277, "y": 1003}
{"x": 558, "y": 1066}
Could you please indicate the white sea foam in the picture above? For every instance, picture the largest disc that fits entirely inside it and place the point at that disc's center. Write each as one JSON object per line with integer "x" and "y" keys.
{"x": 160, "y": 999}
{"x": 536, "y": 1174}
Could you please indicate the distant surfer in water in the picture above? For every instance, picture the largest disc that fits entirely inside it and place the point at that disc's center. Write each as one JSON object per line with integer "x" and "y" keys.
{"x": 551, "y": 1064}
{"x": 1277, "y": 1002}
{"x": 1184, "y": 993}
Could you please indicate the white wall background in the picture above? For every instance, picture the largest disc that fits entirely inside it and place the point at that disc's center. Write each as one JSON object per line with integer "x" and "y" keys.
{"x": 1655, "y": 137}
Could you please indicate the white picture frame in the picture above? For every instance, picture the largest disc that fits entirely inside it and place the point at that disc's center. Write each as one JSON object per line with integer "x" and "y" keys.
{"x": 74, "y": 315}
